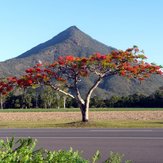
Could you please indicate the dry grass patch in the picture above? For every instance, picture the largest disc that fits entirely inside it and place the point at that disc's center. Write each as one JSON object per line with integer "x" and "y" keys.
{"x": 76, "y": 116}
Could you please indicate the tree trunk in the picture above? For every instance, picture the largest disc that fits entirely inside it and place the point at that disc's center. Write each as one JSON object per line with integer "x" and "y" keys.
{"x": 64, "y": 102}
{"x": 1, "y": 98}
{"x": 85, "y": 113}
{"x": 36, "y": 96}
{"x": 84, "y": 104}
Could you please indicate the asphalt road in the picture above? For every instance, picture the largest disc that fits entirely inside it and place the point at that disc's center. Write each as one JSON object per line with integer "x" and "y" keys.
{"x": 140, "y": 145}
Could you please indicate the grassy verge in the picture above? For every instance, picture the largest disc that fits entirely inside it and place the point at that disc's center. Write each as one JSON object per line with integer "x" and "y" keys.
{"x": 79, "y": 124}
{"x": 74, "y": 122}
{"x": 78, "y": 110}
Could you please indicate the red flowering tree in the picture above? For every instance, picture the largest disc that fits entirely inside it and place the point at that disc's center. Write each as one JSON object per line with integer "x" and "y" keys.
{"x": 6, "y": 85}
{"x": 68, "y": 71}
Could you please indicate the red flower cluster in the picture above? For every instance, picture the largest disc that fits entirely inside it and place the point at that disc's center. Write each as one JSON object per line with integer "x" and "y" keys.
{"x": 7, "y": 85}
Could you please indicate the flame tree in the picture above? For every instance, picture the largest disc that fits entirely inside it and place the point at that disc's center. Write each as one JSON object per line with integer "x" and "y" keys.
{"x": 68, "y": 71}
{"x": 6, "y": 85}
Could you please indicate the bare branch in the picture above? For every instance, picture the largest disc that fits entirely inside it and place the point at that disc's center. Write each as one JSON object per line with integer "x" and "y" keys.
{"x": 94, "y": 87}
{"x": 80, "y": 99}
{"x": 62, "y": 91}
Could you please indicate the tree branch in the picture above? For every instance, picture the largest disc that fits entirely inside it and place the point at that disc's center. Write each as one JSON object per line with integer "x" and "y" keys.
{"x": 80, "y": 99}
{"x": 93, "y": 88}
{"x": 62, "y": 91}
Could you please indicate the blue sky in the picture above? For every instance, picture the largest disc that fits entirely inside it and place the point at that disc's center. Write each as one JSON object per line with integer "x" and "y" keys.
{"x": 117, "y": 23}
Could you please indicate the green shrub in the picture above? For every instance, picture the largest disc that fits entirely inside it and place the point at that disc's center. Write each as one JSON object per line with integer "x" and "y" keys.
{"x": 116, "y": 158}
{"x": 23, "y": 151}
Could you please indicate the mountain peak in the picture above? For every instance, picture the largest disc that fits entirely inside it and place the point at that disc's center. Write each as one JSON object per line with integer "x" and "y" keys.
{"x": 69, "y": 32}
{"x": 73, "y": 28}
{"x": 71, "y": 41}
{"x": 72, "y": 31}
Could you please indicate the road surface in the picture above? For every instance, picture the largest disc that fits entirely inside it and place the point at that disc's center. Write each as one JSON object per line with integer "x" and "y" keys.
{"x": 140, "y": 145}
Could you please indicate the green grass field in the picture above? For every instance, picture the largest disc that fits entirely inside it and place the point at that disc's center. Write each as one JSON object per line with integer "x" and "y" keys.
{"x": 79, "y": 124}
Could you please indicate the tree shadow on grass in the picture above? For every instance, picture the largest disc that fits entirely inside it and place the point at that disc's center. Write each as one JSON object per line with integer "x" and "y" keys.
{"x": 161, "y": 123}
{"x": 155, "y": 124}
{"x": 76, "y": 124}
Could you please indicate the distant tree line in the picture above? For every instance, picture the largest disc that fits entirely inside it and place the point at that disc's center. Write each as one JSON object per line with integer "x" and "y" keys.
{"x": 133, "y": 101}
{"x": 41, "y": 97}
{"x": 45, "y": 97}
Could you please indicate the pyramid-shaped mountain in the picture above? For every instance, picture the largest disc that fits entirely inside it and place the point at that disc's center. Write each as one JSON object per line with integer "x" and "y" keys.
{"x": 73, "y": 41}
